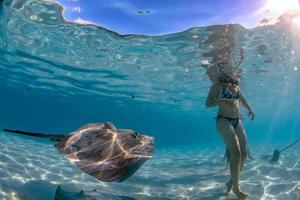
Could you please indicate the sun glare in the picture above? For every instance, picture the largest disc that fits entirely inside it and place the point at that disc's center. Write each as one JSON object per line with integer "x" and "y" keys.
{"x": 296, "y": 20}
{"x": 281, "y": 5}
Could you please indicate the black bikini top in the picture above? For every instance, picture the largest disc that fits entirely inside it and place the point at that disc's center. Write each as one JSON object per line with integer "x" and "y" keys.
{"x": 228, "y": 95}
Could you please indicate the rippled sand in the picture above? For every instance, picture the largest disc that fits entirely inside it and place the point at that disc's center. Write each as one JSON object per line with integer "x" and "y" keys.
{"x": 32, "y": 169}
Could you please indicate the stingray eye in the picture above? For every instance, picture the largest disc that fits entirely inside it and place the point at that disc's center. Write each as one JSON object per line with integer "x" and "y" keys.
{"x": 134, "y": 135}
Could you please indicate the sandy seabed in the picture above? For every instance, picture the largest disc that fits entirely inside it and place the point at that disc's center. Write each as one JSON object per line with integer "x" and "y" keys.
{"x": 32, "y": 169}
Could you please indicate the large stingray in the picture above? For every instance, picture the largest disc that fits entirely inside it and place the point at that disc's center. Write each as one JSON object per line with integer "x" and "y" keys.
{"x": 102, "y": 151}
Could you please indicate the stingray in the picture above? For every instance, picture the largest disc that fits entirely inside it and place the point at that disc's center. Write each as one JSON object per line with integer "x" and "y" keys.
{"x": 227, "y": 156}
{"x": 101, "y": 150}
{"x": 276, "y": 153}
{"x": 61, "y": 194}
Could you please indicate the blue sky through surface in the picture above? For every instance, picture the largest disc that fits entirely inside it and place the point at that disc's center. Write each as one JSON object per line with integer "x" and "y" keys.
{"x": 156, "y": 17}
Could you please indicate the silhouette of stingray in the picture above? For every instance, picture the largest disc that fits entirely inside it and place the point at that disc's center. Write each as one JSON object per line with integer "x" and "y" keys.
{"x": 101, "y": 150}
{"x": 276, "y": 153}
{"x": 227, "y": 156}
{"x": 60, "y": 194}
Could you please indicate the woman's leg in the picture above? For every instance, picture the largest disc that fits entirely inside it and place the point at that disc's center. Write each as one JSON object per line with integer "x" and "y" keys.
{"x": 231, "y": 140}
{"x": 242, "y": 137}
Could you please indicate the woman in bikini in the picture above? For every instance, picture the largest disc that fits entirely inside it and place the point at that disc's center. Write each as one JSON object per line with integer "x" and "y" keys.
{"x": 227, "y": 95}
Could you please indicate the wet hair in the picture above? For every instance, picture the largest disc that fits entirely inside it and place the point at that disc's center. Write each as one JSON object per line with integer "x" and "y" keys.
{"x": 225, "y": 50}
{"x": 235, "y": 82}
{"x": 228, "y": 79}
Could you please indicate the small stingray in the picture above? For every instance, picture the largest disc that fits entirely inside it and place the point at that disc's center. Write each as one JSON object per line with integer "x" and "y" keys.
{"x": 61, "y": 194}
{"x": 174, "y": 100}
{"x": 276, "y": 153}
{"x": 101, "y": 150}
{"x": 227, "y": 156}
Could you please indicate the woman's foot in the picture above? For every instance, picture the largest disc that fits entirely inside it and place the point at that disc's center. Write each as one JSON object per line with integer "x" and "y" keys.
{"x": 240, "y": 195}
{"x": 228, "y": 187}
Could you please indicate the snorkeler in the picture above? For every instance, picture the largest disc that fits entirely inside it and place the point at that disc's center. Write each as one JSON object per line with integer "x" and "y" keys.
{"x": 222, "y": 63}
{"x": 227, "y": 95}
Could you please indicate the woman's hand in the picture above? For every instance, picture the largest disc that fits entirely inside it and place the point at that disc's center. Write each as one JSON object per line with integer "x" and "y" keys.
{"x": 251, "y": 114}
{"x": 206, "y": 64}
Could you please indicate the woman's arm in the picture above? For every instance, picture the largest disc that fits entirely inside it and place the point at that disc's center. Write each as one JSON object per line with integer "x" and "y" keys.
{"x": 246, "y": 105}
{"x": 213, "y": 96}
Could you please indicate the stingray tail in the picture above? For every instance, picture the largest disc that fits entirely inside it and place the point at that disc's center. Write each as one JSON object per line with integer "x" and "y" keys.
{"x": 40, "y": 135}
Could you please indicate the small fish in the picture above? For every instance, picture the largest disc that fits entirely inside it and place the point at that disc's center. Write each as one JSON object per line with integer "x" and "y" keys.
{"x": 143, "y": 12}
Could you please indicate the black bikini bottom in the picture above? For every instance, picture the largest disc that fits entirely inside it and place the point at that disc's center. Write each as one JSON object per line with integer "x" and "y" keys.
{"x": 233, "y": 121}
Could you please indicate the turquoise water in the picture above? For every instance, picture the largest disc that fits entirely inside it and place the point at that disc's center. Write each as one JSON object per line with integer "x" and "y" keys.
{"x": 57, "y": 76}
